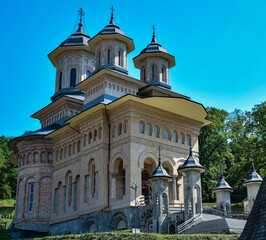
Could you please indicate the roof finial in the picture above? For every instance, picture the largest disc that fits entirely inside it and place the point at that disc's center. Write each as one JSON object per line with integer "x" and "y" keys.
{"x": 81, "y": 14}
{"x": 253, "y": 167}
{"x": 221, "y": 169}
{"x": 112, "y": 16}
{"x": 153, "y": 35}
{"x": 159, "y": 156}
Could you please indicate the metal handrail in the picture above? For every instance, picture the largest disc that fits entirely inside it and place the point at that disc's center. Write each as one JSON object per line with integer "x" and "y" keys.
{"x": 189, "y": 223}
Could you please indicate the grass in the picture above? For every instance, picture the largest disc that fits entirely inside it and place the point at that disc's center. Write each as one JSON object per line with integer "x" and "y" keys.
{"x": 7, "y": 210}
{"x": 235, "y": 207}
{"x": 127, "y": 235}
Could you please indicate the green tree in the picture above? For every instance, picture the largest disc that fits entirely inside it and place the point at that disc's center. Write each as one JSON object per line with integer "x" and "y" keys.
{"x": 8, "y": 171}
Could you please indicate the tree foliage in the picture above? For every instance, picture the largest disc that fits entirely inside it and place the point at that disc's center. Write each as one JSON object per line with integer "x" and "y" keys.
{"x": 8, "y": 171}
{"x": 230, "y": 143}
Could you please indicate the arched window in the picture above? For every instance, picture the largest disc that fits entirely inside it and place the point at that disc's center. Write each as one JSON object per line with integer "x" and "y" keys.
{"x": 119, "y": 129}
{"x": 175, "y": 136}
{"x": 153, "y": 73}
{"x": 163, "y": 75}
{"x": 108, "y": 56}
{"x": 165, "y": 135}
{"x": 119, "y": 58}
{"x": 95, "y": 135}
{"x": 149, "y": 129}
{"x": 99, "y": 59}
{"x": 141, "y": 127}
{"x": 125, "y": 126}
{"x": 188, "y": 139}
{"x": 73, "y": 76}
{"x": 181, "y": 137}
{"x": 156, "y": 131}
{"x": 88, "y": 74}
{"x": 60, "y": 81}
{"x": 31, "y": 192}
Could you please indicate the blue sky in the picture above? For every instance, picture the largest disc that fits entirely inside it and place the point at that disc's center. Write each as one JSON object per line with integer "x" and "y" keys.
{"x": 219, "y": 47}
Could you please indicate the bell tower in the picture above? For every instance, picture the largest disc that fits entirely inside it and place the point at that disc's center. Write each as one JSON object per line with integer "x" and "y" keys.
{"x": 154, "y": 63}
{"x": 74, "y": 62}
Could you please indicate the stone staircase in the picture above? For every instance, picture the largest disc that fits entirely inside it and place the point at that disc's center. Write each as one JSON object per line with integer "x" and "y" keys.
{"x": 189, "y": 223}
{"x": 216, "y": 224}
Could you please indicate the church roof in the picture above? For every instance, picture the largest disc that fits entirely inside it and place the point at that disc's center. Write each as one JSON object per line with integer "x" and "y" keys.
{"x": 160, "y": 172}
{"x": 77, "y": 40}
{"x": 112, "y": 31}
{"x": 222, "y": 185}
{"x": 191, "y": 163}
{"x": 253, "y": 176}
{"x": 152, "y": 50}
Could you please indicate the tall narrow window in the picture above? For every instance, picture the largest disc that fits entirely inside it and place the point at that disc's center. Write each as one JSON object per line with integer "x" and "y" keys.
{"x": 88, "y": 74}
{"x": 108, "y": 58}
{"x": 141, "y": 127}
{"x": 86, "y": 188}
{"x": 156, "y": 131}
{"x": 175, "y": 136}
{"x": 188, "y": 140}
{"x": 56, "y": 200}
{"x": 74, "y": 195}
{"x": 149, "y": 129}
{"x": 181, "y": 137}
{"x": 73, "y": 76}
{"x": 153, "y": 74}
{"x": 64, "y": 202}
{"x": 144, "y": 74}
{"x": 69, "y": 190}
{"x": 163, "y": 75}
{"x": 99, "y": 59}
{"x": 31, "y": 196}
{"x": 119, "y": 58}
{"x": 93, "y": 180}
{"x": 60, "y": 81}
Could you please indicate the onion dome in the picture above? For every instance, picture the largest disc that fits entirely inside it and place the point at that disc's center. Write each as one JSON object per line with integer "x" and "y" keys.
{"x": 77, "y": 40}
{"x": 154, "y": 49}
{"x": 160, "y": 172}
{"x": 112, "y": 31}
{"x": 253, "y": 176}
{"x": 191, "y": 164}
{"x": 223, "y": 185}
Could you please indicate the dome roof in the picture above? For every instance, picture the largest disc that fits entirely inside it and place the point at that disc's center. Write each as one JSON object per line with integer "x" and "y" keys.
{"x": 223, "y": 185}
{"x": 253, "y": 176}
{"x": 79, "y": 38}
{"x": 154, "y": 49}
{"x": 160, "y": 172}
{"x": 191, "y": 163}
{"x": 112, "y": 31}
{"x": 76, "y": 41}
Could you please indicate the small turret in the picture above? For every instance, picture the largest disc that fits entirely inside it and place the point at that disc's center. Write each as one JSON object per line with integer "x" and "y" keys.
{"x": 160, "y": 198}
{"x": 74, "y": 62}
{"x": 111, "y": 47}
{"x": 191, "y": 171}
{"x": 252, "y": 183}
{"x": 154, "y": 62}
{"x": 222, "y": 191}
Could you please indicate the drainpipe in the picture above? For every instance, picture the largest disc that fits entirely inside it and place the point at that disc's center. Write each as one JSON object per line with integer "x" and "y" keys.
{"x": 109, "y": 156}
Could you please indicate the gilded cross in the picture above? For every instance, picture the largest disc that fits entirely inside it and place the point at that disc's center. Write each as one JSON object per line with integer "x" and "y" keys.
{"x": 112, "y": 9}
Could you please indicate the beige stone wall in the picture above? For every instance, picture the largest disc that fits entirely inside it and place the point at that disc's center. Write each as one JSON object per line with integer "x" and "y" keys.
{"x": 81, "y": 60}
{"x": 78, "y": 152}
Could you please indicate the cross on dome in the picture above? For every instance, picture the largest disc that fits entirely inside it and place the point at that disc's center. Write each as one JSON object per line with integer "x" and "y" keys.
{"x": 81, "y": 14}
{"x": 153, "y": 35}
{"x": 112, "y": 15}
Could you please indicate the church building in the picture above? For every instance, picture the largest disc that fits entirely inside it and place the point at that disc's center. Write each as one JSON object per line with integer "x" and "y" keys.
{"x": 101, "y": 133}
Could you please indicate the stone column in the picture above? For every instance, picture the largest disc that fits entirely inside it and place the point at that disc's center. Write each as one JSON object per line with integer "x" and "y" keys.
{"x": 174, "y": 188}
{"x": 192, "y": 202}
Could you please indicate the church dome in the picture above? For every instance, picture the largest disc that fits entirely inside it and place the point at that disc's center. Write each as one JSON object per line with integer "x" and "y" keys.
{"x": 223, "y": 185}
{"x": 154, "y": 49}
{"x": 112, "y": 31}
{"x": 76, "y": 41}
{"x": 191, "y": 163}
{"x": 253, "y": 176}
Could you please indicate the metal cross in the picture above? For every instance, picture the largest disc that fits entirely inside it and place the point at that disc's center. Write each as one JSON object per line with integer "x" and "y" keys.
{"x": 153, "y": 28}
{"x": 81, "y": 14}
{"x": 112, "y": 9}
